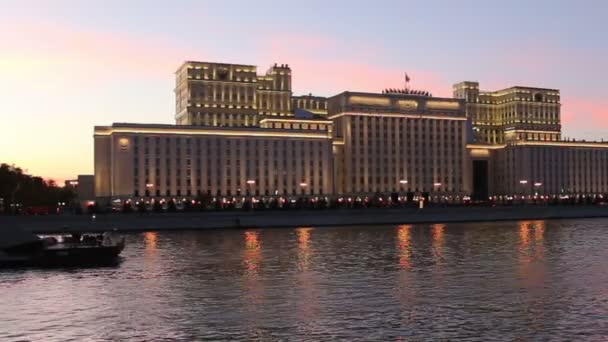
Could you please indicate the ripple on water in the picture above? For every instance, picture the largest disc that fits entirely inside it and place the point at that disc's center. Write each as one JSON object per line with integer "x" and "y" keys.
{"x": 484, "y": 281}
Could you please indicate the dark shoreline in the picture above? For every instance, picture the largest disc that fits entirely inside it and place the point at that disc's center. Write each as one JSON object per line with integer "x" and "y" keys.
{"x": 297, "y": 218}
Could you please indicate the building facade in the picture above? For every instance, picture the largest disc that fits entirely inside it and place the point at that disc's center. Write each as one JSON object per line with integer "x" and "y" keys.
{"x": 552, "y": 168}
{"x": 238, "y": 133}
{"x": 516, "y": 113}
{"x": 313, "y": 104}
{"x": 230, "y": 95}
{"x": 517, "y": 146}
{"x": 394, "y": 142}
{"x": 548, "y": 168}
{"x": 165, "y": 161}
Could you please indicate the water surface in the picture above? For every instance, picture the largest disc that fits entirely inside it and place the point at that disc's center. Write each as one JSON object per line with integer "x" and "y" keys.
{"x": 533, "y": 280}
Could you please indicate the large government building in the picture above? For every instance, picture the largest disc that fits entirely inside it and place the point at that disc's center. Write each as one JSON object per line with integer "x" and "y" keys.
{"x": 238, "y": 133}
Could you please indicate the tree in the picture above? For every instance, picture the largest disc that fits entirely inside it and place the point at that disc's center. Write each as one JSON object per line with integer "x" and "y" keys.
{"x": 16, "y": 187}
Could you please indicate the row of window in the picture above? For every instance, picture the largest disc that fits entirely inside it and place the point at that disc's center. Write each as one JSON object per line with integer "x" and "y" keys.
{"x": 569, "y": 169}
{"x": 217, "y": 141}
{"x": 229, "y": 192}
{"x": 429, "y": 188}
{"x": 305, "y": 126}
{"x": 240, "y": 182}
{"x": 361, "y": 122}
{"x": 309, "y": 104}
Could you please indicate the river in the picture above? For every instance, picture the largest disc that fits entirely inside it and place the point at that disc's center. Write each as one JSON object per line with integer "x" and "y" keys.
{"x": 528, "y": 280}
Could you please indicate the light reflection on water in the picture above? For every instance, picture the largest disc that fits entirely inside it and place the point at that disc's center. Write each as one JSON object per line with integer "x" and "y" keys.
{"x": 252, "y": 254}
{"x": 488, "y": 281}
{"x": 403, "y": 240}
{"x": 150, "y": 240}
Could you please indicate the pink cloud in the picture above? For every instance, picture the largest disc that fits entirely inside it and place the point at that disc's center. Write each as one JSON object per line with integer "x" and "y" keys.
{"x": 589, "y": 115}
{"x": 43, "y": 48}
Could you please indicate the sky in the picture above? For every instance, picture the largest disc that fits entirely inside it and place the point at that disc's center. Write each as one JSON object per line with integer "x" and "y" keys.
{"x": 66, "y": 66}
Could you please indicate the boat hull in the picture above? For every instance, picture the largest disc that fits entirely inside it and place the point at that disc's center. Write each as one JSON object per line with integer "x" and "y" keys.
{"x": 81, "y": 256}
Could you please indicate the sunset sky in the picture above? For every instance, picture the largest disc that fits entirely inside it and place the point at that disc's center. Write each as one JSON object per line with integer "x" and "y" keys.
{"x": 66, "y": 66}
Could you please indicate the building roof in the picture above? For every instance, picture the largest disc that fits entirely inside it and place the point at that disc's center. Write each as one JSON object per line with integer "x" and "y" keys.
{"x": 538, "y": 143}
{"x": 216, "y": 63}
{"x": 361, "y": 103}
{"x": 135, "y": 128}
{"x": 516, "y": 87}
{"x": 395, "y": 95}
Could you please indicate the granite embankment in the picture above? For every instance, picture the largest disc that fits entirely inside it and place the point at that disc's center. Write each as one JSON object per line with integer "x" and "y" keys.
{"x": 299, "y": 218}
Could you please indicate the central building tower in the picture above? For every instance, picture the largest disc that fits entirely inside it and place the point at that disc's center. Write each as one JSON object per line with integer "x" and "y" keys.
{"x": 230, "y": 95}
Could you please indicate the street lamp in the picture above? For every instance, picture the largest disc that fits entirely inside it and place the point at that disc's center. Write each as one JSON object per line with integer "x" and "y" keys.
{"x": 437, "y": 185}
{"x": 537, "y": 185}
{"x": 149, "y": 186}
{"x": 303, "y": 185}
{"x": 523, "y": 183}
{"x": 403, "y": 182}
{"x": 250, "y": 184}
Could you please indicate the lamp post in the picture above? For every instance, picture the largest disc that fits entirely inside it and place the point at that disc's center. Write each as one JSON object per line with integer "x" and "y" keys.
{"x": 437, "y": 187}
{"x": 303, "y": 186}
{"x": 250, "y": 184}
{"x": 537, "y": 186}
{"x": 523, "y": 183}
{"x": 402, "y": 184}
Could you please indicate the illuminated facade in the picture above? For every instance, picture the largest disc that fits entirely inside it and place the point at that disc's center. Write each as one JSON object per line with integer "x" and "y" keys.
{"x": 552, "y": 168}
{"x": 516, "y": 113}
{"x": 396, "y": 142}
{"x": 238, "y": 133}
{"x": 547, "y": 168}
{"x": 313, "y": 104}
{"x": 167, "y": 161}
{"x": 231, "y": 95}
{"x": 518, "y": 148}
